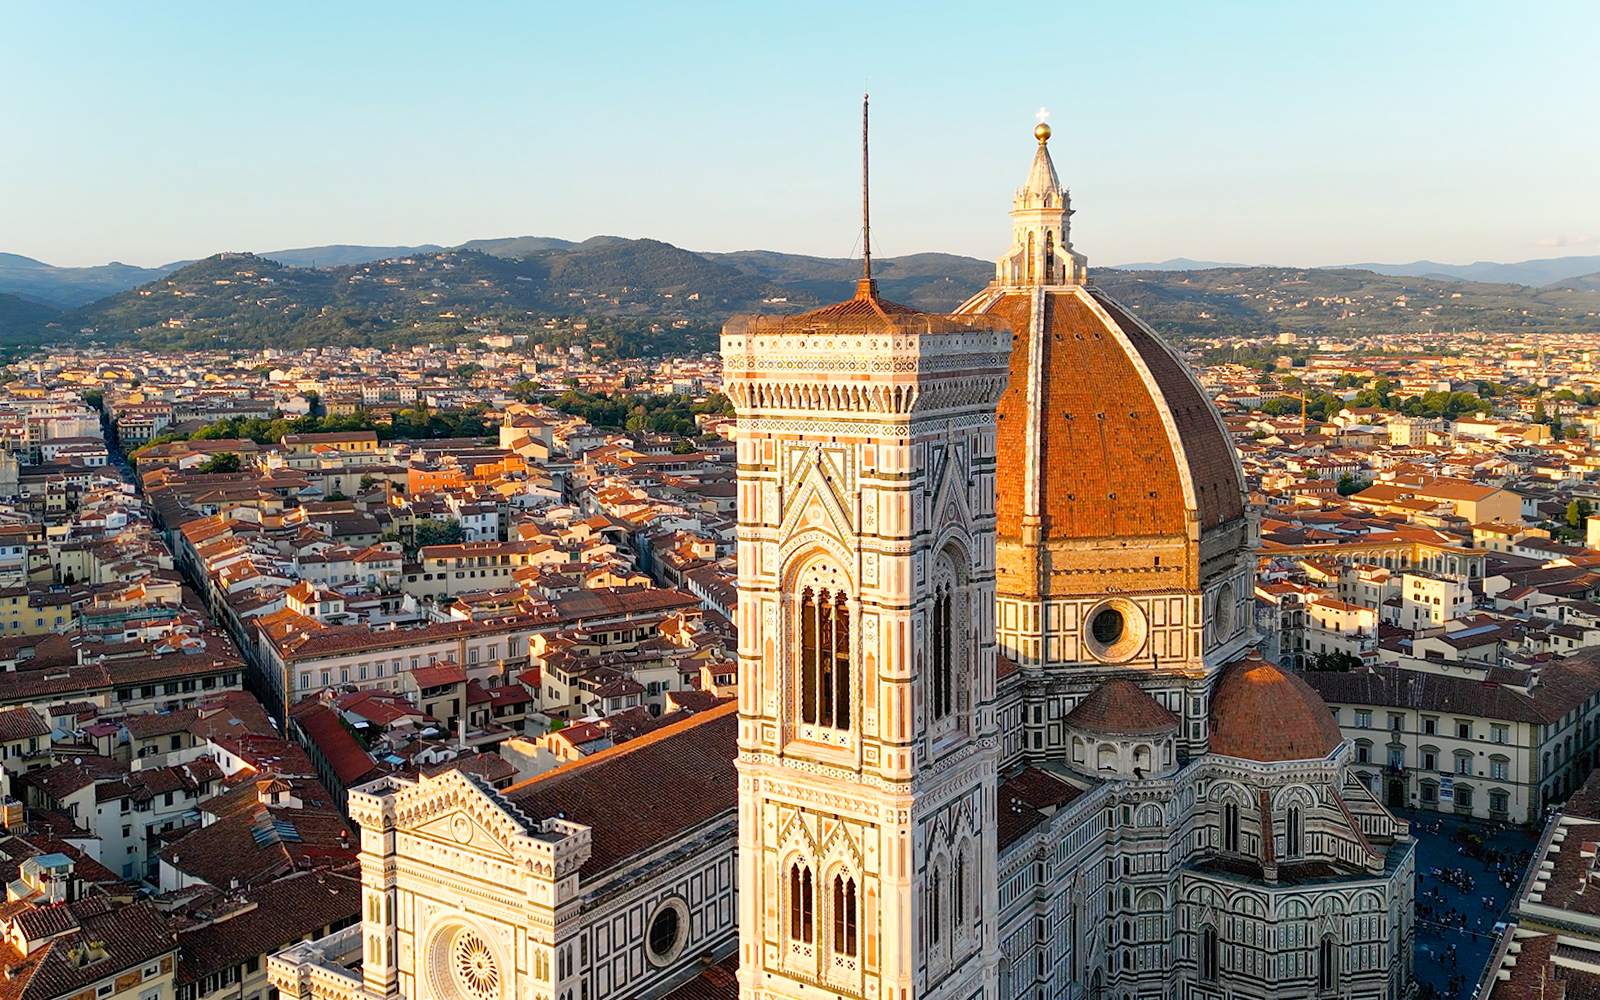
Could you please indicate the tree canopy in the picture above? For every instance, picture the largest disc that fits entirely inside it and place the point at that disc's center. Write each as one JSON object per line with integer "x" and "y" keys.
{"x": 225, "y": 461}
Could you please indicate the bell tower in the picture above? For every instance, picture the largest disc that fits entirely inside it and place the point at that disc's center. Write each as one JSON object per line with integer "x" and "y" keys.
{"x": 867, "y": 745}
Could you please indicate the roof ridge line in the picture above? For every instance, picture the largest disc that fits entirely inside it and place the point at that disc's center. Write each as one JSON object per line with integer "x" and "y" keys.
{"x": 636, "y": 743}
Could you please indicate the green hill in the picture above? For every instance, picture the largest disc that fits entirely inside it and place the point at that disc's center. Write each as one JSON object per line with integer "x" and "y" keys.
{"x": 649, "y": 272}
{"x": 516, "y": 246}
{"x": 645, "y": 296}
{"x": 66, "y": 287}
{"x": 1252, "y": 301}
{"x": 621, "y": 288}
{"x": 254, "y": 302}
{"x": 1582, "y": 283}
{"x": 936, "y": 282}
{"x": 21, "y": 320}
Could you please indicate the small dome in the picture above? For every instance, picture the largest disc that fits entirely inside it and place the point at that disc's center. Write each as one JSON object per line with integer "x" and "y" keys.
{"x": 1119, "y": 707}
{"x": 1261, "y": 712}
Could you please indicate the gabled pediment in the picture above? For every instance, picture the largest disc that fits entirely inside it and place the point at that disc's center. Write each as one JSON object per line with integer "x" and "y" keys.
{"x": 814, "y": 504}
{"x": 948, "y": 473}
{"x": 452, "y": 808}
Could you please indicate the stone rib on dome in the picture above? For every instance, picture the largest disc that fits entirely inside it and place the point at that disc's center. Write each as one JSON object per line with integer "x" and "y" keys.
{"x": 1119, "y": 707}
{"x": 1261, "y": 712}
{"x": 1207, "y": 448}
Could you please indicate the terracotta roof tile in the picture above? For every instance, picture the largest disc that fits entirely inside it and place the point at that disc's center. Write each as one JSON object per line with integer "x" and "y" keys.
{"x": 130, "y": 936}
{"x": 646, "y": 791}
{"x": 19, "y": 724}
{"x": 283, "y": 912}
{"x": 1122, "y": 707}
{"x": 1261, "y": 712}
{"x": 718, "y": 982}
{"x": 327, "y": 733}
{"x": 1107, "y": 463}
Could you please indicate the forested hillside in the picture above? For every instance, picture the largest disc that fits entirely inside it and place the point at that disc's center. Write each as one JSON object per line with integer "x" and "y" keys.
{"x": 633, "y": 297}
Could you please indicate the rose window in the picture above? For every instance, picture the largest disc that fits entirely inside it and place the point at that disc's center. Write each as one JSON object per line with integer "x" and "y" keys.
{"x": 474, "y": 966}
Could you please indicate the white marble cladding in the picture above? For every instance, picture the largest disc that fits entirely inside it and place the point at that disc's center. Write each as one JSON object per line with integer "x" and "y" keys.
{"x": 563, "y": 844}
{"x": 828, "y": 351}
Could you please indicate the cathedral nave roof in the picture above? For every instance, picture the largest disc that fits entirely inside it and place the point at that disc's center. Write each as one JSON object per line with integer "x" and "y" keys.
{"x": 1027, "y": 799}
{"x": 645, "y": 792}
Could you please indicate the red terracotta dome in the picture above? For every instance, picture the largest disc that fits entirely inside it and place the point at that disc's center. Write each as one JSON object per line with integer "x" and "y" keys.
{"x": 1261, "y": 712}
{"x": 1119, "y": 707}
{"x": 1129, "y": 443}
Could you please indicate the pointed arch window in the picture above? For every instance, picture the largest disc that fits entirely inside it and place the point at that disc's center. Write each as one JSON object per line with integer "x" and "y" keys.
{"x": 1292, "y": 831}
{"x": 844, "y": 916}
{"x": 1230, "y": 827}
{"x": 1327, "y": 964}
{"x": 935, "y": 918}
{"x": 943, "y": 653}
{"x": 958, "y": 889}
{"x": 801, "y": 904}
{"x": 824, "y": 659}
{"x": 1049, "y": 256}
{"x": 1208, "y": 952}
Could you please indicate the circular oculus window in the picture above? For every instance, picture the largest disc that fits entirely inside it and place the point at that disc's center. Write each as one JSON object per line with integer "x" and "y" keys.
{"x": 1116, "y": 630}
{"x": 473, "y": 966}
{"x": 669, "y": 931}
{"x": 1108, "y": 626}
{"x": 1222, "y": 617}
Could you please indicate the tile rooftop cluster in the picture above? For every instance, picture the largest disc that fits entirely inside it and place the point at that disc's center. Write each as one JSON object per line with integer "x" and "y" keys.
{"x": 204, "y": 651}
{"x": 206, "y": 640}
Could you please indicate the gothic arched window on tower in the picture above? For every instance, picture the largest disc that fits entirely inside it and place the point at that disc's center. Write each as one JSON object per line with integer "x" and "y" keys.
{"x": 958, "y": 890}
{"x": 1230, "y": 827}
{"x": 1327, "y": 964}
{"x": 1292, "y": 833}
{"x": 824, "y": 659}
{"x": 844, "y": 917}
{"x": 935, "y": 916}
{"x": 1208, "y": 952}
{"x": 943, "y": 695}
{"x": 1049, "y": 257}
{"x": 801, "y": 904}
{"x": 1030, "y": 258}
{"x": 947, "y": 679}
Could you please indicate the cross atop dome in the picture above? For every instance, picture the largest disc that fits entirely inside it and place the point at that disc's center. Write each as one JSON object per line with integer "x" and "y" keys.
{"x": 1043, "y": 187}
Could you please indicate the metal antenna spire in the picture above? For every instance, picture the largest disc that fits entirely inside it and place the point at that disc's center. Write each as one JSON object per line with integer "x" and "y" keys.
{"x": 866, "y": 214}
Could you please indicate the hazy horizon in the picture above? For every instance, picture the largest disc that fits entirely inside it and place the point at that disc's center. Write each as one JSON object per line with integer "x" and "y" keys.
{"x": 1556, "y": 254}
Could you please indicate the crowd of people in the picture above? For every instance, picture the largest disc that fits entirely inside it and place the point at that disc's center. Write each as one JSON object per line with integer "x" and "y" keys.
{"x": 1445, "y": 909}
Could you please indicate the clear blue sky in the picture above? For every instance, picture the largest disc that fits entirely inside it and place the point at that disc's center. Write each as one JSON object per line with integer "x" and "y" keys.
{"x": 1275, "y": 132}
